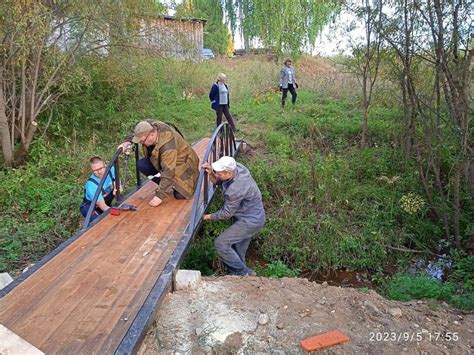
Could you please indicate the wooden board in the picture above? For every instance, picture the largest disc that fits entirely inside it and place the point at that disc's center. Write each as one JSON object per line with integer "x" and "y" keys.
{"x": 84, "y": 299}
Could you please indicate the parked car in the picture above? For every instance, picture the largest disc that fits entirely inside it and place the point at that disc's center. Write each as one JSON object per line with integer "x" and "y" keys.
{"x": 207, "y": 53}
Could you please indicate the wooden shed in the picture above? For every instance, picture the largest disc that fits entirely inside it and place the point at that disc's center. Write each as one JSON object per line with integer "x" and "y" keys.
{"x": 173, "y": 37}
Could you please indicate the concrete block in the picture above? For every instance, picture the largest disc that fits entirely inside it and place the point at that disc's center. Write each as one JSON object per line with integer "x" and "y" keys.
{"x": 12, "y": 344}
{"x": 5, "y": 279}
{"x": 187, "y": 280}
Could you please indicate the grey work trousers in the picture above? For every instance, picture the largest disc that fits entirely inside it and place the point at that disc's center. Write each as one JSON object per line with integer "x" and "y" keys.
{"x": 232, "y": 246}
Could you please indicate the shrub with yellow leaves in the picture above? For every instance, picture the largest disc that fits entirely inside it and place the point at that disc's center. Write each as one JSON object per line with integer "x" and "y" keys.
{"x": 412, "y": 203}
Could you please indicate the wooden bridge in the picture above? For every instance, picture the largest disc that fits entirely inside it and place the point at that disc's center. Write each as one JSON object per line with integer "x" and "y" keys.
{"x": 98, "y": 291}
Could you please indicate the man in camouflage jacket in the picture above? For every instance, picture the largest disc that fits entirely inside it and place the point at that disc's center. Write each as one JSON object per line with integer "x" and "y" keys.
{"x": 166, "y": 152}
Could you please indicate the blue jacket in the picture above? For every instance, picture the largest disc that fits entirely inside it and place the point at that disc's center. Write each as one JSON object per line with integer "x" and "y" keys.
{"x": 214, "y": 96}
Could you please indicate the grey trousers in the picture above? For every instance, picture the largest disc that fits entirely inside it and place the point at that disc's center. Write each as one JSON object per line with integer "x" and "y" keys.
{"x": 232, "y": 246}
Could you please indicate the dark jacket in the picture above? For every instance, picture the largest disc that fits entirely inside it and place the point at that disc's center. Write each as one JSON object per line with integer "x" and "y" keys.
{"x": 242, "y": 199}
{"x": 214, "y": 96}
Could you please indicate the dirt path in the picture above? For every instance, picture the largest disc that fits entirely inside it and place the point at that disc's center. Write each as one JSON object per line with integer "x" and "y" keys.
{"x": 222, "y": 316}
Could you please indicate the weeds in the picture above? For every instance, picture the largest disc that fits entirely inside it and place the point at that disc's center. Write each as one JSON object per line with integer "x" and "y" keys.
{"x": 278, "y": 269}
{"x": 421, "y": 286}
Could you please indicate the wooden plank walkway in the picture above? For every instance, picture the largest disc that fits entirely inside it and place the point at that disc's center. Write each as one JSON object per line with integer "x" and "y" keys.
{"x": 86, "y": 297}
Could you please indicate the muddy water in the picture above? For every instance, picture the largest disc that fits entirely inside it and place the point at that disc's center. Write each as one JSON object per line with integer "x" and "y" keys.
{"x": 340, "y": 278}
{"x": 437, "y": 268}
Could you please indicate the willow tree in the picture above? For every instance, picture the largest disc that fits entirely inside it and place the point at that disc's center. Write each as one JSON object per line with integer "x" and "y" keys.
{"x": 287, "y": 26}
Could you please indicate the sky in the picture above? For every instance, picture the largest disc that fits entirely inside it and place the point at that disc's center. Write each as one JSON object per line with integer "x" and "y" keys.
{"x": 332, "y": 41}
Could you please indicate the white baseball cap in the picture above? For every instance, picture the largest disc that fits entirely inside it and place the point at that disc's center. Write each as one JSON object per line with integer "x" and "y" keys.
{"x": 224, "y": 164}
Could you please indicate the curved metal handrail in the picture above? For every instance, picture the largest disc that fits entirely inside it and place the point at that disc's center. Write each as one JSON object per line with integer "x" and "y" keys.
{"x": 222, "y": 143}
{"x": 113, "y": 162}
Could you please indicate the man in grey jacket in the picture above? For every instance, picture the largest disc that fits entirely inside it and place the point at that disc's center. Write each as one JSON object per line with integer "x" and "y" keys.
{"x": 243, "y": 203}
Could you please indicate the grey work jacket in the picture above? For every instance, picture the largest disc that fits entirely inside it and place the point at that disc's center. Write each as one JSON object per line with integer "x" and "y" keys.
{"x": 242, "y": 199}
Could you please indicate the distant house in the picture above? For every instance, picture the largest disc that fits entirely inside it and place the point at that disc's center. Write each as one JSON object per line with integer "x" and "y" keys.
{"x": 173, "y": 37}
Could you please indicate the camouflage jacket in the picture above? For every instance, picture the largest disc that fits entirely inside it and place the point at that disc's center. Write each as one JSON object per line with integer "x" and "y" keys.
{"x": 175, "y": 159}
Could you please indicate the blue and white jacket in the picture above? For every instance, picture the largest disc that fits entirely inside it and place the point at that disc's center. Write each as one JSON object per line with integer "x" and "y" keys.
{"x": 214, "y": 96}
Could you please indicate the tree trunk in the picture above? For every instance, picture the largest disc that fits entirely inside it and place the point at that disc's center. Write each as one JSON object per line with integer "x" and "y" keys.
{"x": 246, "y": 43}
{"x": 20, "y": 154}
{"x": 365, "y": 123}
{"x": 4, "y": 128}
{"x": 406, "y": 139}
{"x": 457, "y": 205}
{"x": 444, "y": 204}
{"x": 470, "y": 177}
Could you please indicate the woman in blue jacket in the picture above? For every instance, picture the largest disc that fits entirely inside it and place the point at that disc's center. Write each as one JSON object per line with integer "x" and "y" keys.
{"x": 219, "y": 96}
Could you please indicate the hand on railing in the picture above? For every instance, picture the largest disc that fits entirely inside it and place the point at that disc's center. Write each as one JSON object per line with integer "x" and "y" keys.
{"x": 208, "y": 168}
{"x": 126, "y": 147}
{"x": 120, "y": 189}
{"x": 222, "y": 143}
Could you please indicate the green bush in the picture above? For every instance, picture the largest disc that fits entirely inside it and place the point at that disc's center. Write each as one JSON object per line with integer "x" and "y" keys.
{"x": 462, "y": 278}
{"x": 277, "y": 143}
{"x": 202, "y": 256}
{"x": 34, "y": 219}
{"x": 419, "y": 286}
{"x": 403, "y": 287}
{"x": 278, "y": 269}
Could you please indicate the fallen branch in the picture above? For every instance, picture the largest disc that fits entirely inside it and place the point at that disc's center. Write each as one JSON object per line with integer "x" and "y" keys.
{"x": 416, "y": 251}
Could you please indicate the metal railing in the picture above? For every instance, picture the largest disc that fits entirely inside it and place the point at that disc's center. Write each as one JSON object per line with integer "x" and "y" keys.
{"x": 222, "y": 143}
{"x": 118, "y": 195}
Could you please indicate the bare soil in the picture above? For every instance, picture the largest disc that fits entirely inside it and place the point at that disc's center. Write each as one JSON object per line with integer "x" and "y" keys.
{"x": 222, "y": 316}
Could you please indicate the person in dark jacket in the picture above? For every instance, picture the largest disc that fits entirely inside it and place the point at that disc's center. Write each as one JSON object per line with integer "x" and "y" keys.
{"x": 219, "y": 96}
{"x": 288, "y": 82}
{"x": 167, "y": 153}
{"x": 243, "y": 203}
